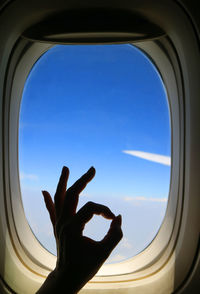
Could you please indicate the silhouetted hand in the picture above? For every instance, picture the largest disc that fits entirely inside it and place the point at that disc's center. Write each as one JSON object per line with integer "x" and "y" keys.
{"x": 79, "y": 257}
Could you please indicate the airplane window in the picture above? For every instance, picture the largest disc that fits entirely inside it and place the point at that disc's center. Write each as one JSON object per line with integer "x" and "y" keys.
{"x": 104, "y": 106}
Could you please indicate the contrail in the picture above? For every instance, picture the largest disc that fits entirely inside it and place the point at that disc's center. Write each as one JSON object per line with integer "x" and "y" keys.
{"x": 162, "y": 159}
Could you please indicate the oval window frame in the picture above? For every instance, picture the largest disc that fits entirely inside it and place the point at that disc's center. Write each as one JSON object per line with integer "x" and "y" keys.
{"x": 41, "y": 259}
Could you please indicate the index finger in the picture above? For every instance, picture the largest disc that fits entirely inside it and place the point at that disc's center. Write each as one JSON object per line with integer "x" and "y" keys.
{"x": 89, "y": 209}
{"x": 113, "y": 236}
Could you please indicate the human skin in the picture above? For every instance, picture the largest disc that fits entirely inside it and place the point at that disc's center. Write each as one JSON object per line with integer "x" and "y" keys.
{"x": 78, "y": 257}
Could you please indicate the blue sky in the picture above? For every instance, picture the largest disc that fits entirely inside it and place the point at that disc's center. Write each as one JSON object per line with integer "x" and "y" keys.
{"x": 95, "y": 106}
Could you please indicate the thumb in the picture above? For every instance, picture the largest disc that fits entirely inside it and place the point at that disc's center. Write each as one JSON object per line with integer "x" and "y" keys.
{"x": 114, "y": 235}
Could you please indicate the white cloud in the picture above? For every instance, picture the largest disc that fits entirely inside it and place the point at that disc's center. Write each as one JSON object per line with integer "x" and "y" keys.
{"x": 162, "y": 159}
{"x": 117, "y": 257}
{"x": 141, "y": 198}
{"x": 125, "y": 243}
{"x": 31, "y": 177}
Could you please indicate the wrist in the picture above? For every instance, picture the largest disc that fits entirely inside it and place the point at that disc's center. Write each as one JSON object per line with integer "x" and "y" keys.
{"x": 58, "y": 282}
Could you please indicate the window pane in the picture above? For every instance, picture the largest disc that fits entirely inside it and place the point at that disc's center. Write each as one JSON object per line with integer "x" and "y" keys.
{"x": 103, "y": 106}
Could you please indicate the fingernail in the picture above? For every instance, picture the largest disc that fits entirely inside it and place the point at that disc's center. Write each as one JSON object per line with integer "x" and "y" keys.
{"x": 44, "y": 193}
{"x": 119, "y": 219}
{"x": 44, "y": 196}
{"x": 64, "y": 168}
{"x": 90, "y": 170}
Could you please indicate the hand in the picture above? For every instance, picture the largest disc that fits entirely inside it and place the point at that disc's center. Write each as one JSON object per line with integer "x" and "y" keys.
{"x": 78, "y": 257}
